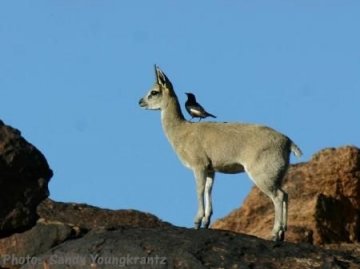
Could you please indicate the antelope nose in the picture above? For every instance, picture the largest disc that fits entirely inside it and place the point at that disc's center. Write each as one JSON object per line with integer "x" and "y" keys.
{"x": 141, "y": 102}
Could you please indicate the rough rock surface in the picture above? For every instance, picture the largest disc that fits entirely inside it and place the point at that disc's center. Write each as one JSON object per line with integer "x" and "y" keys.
{"x": 174, "y": 247}
{"x": 50, "y": 235}
{"x": 24, "y": 177}
{"x": 59, "y": 222}
{"x": 139, "y": 240}
{"x": 324, "y": 201}
{"x": 88, "y": 217}
{"x": 39, "y": 239}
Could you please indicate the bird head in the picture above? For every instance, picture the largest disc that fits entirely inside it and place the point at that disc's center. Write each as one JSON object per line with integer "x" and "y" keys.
{"x": 190, "y": 96}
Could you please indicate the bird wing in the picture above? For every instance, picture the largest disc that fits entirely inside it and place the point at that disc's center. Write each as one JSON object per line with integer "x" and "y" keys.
{"x": 197, "y": 111}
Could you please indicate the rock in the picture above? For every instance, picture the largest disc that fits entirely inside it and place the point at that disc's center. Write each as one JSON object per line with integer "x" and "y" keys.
{"x": 45, "y": 234}
{"x": 24, "y": 177}
{"x": 70, "y": 235}
{"x": 175, "y": 247}
{"x": 90, "y": 217}
{"x": 59, "y": 222}
{"x": 39, "y": 239}
{"x": 324, "y": 201}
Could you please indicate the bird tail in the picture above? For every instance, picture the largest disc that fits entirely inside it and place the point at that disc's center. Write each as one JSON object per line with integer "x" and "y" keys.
{"x": 210, "y": 115}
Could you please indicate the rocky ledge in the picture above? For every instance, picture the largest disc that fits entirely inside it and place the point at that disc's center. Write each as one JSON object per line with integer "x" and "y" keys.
{"x": 37, "y": 232}
{"x": 82, "y": 236}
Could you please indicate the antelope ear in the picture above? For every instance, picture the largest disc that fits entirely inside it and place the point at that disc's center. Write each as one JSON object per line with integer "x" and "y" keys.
{"x": 162, "y": 79}
{"x": 156, "y": 74}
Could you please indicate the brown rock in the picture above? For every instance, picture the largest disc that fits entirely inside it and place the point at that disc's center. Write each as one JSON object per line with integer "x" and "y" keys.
{"x": 176, "y": 247}
{"x": 324, "y": 201}
{"x": 39, "y": 239}
{"x": 90, "y": 217}
{"x": 63, "y": 221}
{"x": 24, "y": 177}
{"x": 69, "y": 235}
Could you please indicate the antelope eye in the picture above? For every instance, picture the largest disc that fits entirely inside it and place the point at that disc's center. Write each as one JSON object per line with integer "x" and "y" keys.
{"x": 154, "y": 92}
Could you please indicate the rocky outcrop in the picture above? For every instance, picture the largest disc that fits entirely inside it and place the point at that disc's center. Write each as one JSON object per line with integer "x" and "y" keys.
{"x": 88, "y": 217}
{"x": 175, "y": 247}
{"x": 39, "y": 239}
{"x": 24, "y": 177}
{"x": 59, "y": 222}
{"x": 51, "y": 235}
{"x": 324, "y": 201}
{"x": 56, "y": 245}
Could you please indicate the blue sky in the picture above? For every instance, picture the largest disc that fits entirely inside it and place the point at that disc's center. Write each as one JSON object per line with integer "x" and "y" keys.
{"x": 72, "y": 72}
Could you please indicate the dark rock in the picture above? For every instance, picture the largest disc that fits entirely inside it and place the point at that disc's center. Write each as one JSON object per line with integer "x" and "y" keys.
{"x": 24, "y": 177}
{"x": 39, "y": 239}
{"x": 52, "y": 235}
{"x": 90, "y": 217}
{"x": 174, "y": 247}
{"x": 64, "y": 221}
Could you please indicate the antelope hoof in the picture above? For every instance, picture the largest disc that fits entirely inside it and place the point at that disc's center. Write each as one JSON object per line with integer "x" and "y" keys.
{"x": 279, "y": 236}
{"x": 197, "y": 225}
{"x": 206, "y": 223}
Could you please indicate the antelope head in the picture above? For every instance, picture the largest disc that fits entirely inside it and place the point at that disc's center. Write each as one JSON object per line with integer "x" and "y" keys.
{"x": 157, "y": 96}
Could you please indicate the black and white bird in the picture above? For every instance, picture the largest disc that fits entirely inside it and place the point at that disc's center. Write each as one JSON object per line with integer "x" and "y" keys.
{"x": 195, "y": 109}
